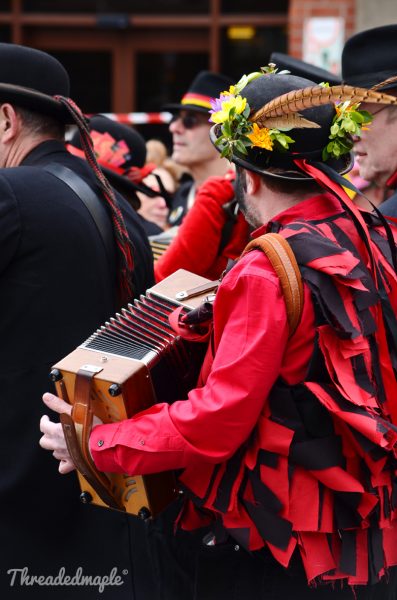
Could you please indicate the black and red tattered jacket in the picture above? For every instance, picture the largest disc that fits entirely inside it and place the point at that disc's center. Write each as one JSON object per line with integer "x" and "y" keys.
{"x": 335, "y": 471}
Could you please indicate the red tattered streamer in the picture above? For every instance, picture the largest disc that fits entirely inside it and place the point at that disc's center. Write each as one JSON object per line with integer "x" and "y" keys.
{"x": 388, "y": 378}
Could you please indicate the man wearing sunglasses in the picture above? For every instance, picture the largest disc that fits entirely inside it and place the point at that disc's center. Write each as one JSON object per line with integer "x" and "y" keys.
{"x": 368, "y": 58}
{"x": 192, "y": 147}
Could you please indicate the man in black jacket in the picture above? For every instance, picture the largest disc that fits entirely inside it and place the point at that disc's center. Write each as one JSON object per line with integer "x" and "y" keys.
{"x": 58, "y": 283}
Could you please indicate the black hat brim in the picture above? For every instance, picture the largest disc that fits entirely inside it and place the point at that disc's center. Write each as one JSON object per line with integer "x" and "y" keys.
{"x": 35, "y": 101}
{"x": 368, "y": 80}
{"x": 122, "y": 183}
{"x": 303, "y": 69}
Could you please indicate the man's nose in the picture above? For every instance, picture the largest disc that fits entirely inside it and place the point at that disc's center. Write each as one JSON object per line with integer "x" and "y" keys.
{"x": 175, "y": 125}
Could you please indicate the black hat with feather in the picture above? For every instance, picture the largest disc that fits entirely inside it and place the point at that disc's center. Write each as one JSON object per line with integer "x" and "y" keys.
{"x": 275, "y": 124}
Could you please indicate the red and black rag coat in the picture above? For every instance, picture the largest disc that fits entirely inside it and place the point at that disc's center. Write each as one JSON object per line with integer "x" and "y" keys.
{"x": 319, "y": 471}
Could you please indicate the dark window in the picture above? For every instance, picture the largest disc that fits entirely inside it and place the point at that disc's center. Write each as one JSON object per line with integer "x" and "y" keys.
{"x": 118, "y": 6}
{"x": 5, "y": 34}
{"x": 165, "y": 77}
{"x": 254, "y": 6}
{"x": 242, "y": 55}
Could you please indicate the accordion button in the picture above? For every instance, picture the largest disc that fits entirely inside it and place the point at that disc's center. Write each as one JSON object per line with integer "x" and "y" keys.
{"x": 100, "y": 443}
{"x": 142, "y": 442}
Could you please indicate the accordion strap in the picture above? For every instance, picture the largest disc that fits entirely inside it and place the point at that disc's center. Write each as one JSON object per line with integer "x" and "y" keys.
{"x": 283, "y": 261}
{"x": 91, "y": 201}
{"x": 77, "y": 428}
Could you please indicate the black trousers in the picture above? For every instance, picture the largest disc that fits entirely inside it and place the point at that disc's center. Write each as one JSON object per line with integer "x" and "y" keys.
{"x": 187, "y": 569}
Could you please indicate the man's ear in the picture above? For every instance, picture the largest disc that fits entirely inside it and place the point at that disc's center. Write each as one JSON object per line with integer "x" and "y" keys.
{"x": 253, "y": 182}
{"x": 9, "y": 123}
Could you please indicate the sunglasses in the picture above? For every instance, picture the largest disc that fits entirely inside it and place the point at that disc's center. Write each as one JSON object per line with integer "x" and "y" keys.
{"x": 189, "y": 121}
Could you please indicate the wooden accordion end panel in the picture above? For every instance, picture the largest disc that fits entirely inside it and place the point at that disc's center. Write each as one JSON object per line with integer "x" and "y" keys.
{"x": 133, "y": 361}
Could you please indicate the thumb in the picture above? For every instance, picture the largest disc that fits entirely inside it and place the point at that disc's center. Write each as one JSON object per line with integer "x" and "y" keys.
{"x": 56, "y": 404}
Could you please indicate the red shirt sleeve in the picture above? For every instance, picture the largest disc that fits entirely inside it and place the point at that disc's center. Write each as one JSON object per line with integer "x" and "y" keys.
{"x": 216, "y": 419}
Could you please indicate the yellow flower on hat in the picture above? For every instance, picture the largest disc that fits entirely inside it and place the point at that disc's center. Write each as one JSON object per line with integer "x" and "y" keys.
{"x": 261, "y": 137}
{"x": 226, "y": 104}
{"x": 230, "y": 92}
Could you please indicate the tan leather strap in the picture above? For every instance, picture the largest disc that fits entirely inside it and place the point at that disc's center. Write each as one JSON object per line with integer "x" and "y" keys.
{"x": 77, "y": 429}
{"x": 72, "y": 442}
{"x": 283, "y": 261}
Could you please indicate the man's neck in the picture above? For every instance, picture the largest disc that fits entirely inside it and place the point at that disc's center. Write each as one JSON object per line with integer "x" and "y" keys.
{"x": 273, "y": 203}
{"x": 21, "y": 148}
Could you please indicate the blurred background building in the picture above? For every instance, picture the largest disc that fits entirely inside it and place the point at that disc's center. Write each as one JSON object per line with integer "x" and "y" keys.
{"x": 128, "y": 56}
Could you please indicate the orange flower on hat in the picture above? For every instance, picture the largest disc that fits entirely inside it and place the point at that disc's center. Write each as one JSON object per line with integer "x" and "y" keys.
{"x": 261, "y": 137}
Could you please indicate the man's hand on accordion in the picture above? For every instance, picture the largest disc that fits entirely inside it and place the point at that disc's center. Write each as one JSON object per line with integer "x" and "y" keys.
{"x": 53, "y": 438}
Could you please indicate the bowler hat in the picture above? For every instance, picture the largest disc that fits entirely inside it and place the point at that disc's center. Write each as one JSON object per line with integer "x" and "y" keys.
{"x": 308, "y": 142}
{"x": 117, "y": 147}
{"x": 370, "y": 57}
{"x": 31, "y": 79}
{"x": 205, "y": 85}
{"x": 303, "y": 69}
{"x": 121, "y": 153}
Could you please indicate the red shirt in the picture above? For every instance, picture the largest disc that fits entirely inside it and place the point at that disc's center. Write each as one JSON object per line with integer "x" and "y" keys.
{"x": 252, "y": 351}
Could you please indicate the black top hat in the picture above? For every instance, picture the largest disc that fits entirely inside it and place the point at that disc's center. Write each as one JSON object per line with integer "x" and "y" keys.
{"x": 117, "y": 147}
{"x": 308, "y": 142}
{"x": 303, "y": 69}
{"x": 370, "y": 57}
{"x": 205, "y": 85}
{"x": 30, "y": 78}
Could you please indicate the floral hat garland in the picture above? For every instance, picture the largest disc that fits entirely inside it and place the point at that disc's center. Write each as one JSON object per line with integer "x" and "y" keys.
{"x": 266, "y": 128}
{"x": 238, "y": 132}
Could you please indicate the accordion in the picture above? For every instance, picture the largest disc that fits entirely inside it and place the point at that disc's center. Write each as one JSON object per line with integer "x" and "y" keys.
{"x": 131, "y": 362}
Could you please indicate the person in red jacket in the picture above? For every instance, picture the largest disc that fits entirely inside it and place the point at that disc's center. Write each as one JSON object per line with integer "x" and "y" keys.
{"x": 213, "y": 232}
{"x": 287, "y": 453}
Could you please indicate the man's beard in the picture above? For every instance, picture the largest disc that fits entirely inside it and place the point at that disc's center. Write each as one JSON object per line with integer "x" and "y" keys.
{"x": 249, "y": 213}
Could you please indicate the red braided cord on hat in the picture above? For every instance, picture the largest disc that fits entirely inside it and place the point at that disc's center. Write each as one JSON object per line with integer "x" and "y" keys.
{"x": 124, "y": 244}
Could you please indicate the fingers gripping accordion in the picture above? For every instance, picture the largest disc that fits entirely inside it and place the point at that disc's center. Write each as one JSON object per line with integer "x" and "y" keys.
{"x": 128, "y": 364}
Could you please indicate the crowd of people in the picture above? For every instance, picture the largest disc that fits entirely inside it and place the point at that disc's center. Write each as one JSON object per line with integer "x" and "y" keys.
{"x": 286, "y": 450}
